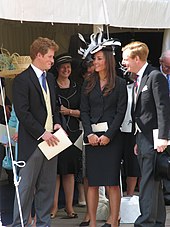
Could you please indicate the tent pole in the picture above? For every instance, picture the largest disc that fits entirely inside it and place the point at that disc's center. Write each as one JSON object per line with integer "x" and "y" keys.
{"x": 16, "y": 181}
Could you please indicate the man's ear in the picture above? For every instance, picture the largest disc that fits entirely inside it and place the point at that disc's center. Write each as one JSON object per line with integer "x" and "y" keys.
{"x": 160, "y": 61}
{"x": 39, "y": 55}
{"x": 137, "y": 59}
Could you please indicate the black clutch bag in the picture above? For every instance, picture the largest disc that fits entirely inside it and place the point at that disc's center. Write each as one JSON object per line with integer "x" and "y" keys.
{"x": 162, "y": 165}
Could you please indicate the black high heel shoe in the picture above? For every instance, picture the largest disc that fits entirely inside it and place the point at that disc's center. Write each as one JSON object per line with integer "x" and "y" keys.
{"x": 70, "y": 215}
{"x": 85, "y": 223}
{"x": 109, "y": 225}
{"x": 106, "y": 225}
{"x": 119, "y": 221}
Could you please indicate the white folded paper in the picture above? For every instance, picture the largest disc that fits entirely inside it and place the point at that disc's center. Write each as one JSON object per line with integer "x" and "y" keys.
{"x": 3, "y": 134}
{"x": 155, "y": 138}
{"x": 51, "y": 151}
{"x": 100, "y": 127}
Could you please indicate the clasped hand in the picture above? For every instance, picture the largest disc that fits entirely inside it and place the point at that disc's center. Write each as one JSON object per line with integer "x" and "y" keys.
{"x": 94, "y": 140}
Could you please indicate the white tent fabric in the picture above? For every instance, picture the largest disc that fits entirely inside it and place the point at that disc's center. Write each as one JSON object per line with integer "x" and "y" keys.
{"x": 58, "y": 11}
{"x": 118, "y": 13}
{"x": 139, "y": 13}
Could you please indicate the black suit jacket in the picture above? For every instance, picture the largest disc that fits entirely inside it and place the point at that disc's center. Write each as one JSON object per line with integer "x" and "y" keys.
{"x": 96, "y": 108}
{"x": 152, "y": 108}
{"x": 30, "y": 108}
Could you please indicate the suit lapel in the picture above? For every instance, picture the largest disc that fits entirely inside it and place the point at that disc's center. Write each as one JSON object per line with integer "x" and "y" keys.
{"x": 143, "y": 82}
{"x": 36, "y": 83}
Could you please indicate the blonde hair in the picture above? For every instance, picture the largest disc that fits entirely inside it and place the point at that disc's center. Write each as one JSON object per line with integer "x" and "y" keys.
{"x": 137, "y": 48}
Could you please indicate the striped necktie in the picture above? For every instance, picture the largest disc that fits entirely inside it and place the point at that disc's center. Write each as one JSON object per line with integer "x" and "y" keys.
{"x": 136, "y": 84}
{"x": 44, "y": 82}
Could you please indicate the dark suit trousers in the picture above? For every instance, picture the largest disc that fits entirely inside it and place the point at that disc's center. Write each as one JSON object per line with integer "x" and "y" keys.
{"x": 166, "y": 190}
{"x": 151, "y": 201}
{"x": 38, "y": 181}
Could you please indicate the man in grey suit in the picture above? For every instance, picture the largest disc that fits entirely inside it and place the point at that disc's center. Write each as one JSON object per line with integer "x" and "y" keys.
{"x": 35, "y": 106}
{"x": 151, "y": 111}
{"x": 165, "y": 69}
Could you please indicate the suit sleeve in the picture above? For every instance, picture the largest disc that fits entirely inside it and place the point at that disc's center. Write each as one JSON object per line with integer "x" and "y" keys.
{"x": 85, "y": 111}
{"x": 120, "y": 112}
{"x": 22, "y": 108}
{"x": 162, "y": 102}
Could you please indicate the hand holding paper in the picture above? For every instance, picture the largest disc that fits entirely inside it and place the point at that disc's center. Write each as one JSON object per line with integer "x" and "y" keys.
{"x": 51, "y": 151}
{"x": 50, "y": 138}
{"x": 159, "y": 142}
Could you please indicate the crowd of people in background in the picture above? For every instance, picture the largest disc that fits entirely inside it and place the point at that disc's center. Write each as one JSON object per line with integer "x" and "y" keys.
{"x": 113, "y": 112}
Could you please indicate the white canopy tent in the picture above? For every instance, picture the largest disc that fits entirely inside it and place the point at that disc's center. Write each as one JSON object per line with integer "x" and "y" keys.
{"x": 21, "y": 21}
{"x": 117, "y": 13}
{"x": 54, "y": 11}
{"x": 140, "y": 14}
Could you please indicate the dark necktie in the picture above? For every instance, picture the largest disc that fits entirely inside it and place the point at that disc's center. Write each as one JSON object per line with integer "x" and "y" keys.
{"x": 44, "y": 82}
{"x": 136, "y": 84}
{"x": 168, "y": 79}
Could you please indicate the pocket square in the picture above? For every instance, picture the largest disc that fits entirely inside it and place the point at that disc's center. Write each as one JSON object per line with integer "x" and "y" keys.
{"x": 145, "y": 88}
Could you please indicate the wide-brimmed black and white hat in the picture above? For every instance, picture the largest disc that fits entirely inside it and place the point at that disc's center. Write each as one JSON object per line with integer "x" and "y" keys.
{"x": 98, "y": 42}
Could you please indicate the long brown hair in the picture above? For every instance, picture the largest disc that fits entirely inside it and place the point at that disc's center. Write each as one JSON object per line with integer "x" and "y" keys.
{"x": 110, "y": 74}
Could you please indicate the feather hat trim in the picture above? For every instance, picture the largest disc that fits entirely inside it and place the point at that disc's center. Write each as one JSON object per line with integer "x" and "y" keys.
{"x": 97, "y": 43}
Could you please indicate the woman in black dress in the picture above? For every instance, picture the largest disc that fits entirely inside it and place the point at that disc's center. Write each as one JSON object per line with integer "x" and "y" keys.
{"x": 103, "y": 106}
{"x": 68, "y": 93}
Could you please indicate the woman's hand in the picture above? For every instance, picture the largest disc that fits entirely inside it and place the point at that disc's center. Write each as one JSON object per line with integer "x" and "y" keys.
{"x": 93, "y": 139}
{"x": 70, "y": 112}
{"x": 15, "y": 137}
{"x": 103, "y": 140}
{"x": 64, "y": 110}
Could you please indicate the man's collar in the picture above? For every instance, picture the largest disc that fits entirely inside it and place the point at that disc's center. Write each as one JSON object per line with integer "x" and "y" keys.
{"x": 37, "y": 71}
{"x": 141, "y": 71}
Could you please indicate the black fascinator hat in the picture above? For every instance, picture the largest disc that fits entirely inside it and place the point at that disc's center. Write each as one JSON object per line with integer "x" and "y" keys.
{"x": 98, "y": 42}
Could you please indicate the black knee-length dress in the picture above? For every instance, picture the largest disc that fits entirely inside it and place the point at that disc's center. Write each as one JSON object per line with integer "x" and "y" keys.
{"x": 103, "y": 162}
{"x": 69, "y": 159}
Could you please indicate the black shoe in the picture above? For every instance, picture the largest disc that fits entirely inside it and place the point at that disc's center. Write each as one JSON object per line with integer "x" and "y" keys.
{"x": 106, "y": 225}
{"x": 167, "y": 202}
{"x": 85, "y": 223}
